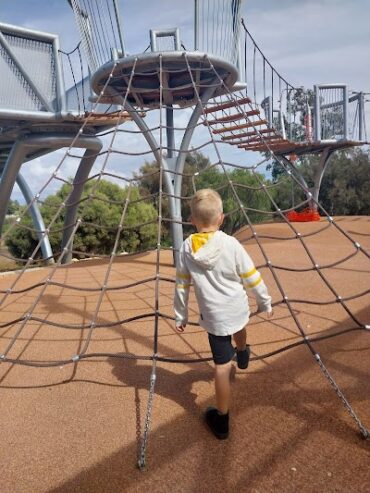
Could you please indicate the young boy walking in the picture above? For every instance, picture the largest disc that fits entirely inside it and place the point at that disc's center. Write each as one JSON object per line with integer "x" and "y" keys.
{"x": 221, "y": 271}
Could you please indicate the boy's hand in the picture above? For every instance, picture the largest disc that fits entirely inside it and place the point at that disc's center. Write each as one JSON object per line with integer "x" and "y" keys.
{"x": 180, "y": 328}
{"x": 269, "y": 314}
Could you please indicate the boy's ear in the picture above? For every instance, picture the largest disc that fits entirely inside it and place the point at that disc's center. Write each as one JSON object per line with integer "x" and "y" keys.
{"x": 222, "y": 217}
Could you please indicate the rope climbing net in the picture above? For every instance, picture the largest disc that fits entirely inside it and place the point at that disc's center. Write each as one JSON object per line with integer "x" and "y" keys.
{"x": 123, "y": 291}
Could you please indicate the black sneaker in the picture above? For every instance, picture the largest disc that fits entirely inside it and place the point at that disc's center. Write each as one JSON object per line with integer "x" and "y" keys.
{"x": 218, "y": 423}
{"x": 242, "y": 357}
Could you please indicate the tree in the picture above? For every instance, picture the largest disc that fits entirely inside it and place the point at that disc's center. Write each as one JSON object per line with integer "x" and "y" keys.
{"x": 345, "y": 187}
{"x": 199, "y": 173}
{"x": 101, "y": 211}
{"x": 237, "y": 188}
{"x": 13, "y": 207}
{"x": 148, "y": 183}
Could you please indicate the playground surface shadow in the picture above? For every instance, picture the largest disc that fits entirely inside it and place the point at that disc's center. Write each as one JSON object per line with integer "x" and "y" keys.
{"x": 76, "y": 426}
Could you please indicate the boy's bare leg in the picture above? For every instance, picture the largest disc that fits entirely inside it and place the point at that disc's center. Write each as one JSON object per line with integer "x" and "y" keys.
{"x": 222, "y": 386}
{"x": 240, "y": 339}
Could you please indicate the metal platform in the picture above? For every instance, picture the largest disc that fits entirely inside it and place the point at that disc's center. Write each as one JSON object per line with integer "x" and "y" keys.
{"x": 178, "y": 77}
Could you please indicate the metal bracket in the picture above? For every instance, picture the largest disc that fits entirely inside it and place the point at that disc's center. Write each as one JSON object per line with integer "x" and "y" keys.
{"x": 165, "y": 33}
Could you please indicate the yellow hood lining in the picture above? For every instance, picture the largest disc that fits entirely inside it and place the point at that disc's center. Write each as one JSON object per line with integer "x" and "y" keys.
{"x": 200, "y": 239}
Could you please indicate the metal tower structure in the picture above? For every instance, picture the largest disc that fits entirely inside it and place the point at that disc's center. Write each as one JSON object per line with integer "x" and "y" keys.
{"x": 266, "y": 114}
{"x": 147, "y": 88}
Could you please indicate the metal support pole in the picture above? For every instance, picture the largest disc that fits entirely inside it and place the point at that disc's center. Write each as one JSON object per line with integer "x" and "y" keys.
{"x": 196, "y": 26}
{"x": 315, "y": 190}
{"x": 345, "y": 113}
{"x": 268, "y": 109}
{"x": 240, "y": 62}
{"x": 38, "y": 221}
{"x": 317, "y": 120}
{"x": 170, "y": 131}
{"x": 168, "y": 183}
{"x": 149, "y": 138}
{"x": 175, "y": 204}
{"x": 289, "y": 115}
{"x": 119, "y": 26}
{"x": 173, "y": 187}
{"x": 9, "y": 177}
{"x": 297, "y": 174}
{"x": 324, "y": 161}
{"x": 87, "y": 162}
{"x": 361, "y": 113}
{"x": 60, "y": 86}
{"x": 177, "y": 230}
{"x": 18, "y": 155}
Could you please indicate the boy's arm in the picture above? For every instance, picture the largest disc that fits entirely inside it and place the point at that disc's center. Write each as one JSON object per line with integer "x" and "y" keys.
{"x": 182, "y": 289}
{"x": 252, "y": 280}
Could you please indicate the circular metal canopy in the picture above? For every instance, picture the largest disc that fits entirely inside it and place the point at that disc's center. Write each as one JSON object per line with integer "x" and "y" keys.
{"x": 175, "y": 77}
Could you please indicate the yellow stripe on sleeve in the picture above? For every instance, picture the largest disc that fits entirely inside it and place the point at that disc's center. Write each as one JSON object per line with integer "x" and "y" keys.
{"x": 249, "y": 273}
{"x": 255, "y": 283}
{"x": 180, "y": 275}
{"x": 182, "y": 286}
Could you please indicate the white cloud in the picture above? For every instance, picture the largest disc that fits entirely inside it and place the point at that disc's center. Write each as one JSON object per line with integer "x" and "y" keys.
{"x": 307, "y": 41}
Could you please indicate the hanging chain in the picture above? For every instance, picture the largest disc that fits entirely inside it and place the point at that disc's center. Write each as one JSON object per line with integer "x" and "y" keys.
{"x": 144, "y": 442}
{"x": 365, "y": 433}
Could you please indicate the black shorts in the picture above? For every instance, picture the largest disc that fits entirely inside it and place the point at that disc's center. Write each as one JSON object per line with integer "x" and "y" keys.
{"x": 222, "y": 349}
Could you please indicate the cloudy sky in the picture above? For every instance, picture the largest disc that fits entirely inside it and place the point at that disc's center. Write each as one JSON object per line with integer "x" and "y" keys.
{"x": 308, "y": 41}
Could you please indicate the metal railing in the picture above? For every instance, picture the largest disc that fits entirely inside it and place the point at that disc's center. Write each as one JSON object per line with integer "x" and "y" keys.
{"x": 217, "y": 28}
{"x": 31, "y": 79}
{"x": 331, "y": 112}
{"x": 356, "y": 116}
{"x": 34, "y": 75}
{"x": 100, "y": 30}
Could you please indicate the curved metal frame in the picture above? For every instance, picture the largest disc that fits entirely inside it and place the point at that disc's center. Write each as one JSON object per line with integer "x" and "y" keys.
{"x": 325, "y": 157}
{"x": 87, "y": 162}
{"x": 12, "y": 167}
{"x": 172, "y": 181}
{"x": 37, "y": 219}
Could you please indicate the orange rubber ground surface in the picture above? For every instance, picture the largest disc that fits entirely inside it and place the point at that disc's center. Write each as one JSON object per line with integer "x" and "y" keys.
{"x": 75, "y": 427}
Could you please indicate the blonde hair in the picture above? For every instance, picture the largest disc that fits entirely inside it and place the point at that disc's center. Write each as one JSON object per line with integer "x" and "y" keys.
{"x": 206, "y": 206}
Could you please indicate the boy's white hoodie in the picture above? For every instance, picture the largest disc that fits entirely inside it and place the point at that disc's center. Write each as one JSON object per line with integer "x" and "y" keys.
{"x": 220, "y": 271}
